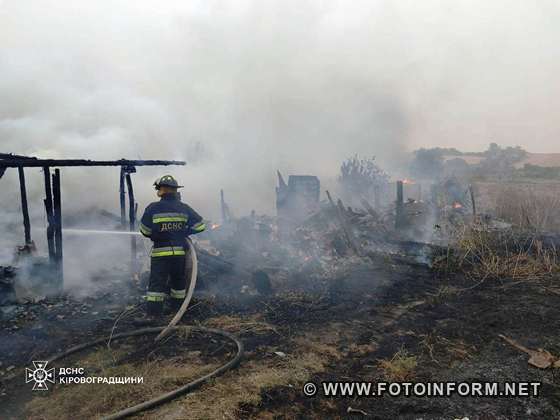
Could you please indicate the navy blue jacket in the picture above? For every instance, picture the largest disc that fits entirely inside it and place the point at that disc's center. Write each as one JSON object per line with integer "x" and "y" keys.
{"x": 167, "y": 223}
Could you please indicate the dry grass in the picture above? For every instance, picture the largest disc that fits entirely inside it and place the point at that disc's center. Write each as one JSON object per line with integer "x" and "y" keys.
{"x": 86, "y": 401}
{"x": 526, "y": 204}
{"x": 485, "y": 254}
{"x": 218, "y": 399}
{"x": 401, "y": 367}
{"x": 445, "y": 351}
{"x": 253, "y": 324}
{"x": 223, "y": 398}
{"x": 442, "y": 294}
{"x": 529, "y": 207}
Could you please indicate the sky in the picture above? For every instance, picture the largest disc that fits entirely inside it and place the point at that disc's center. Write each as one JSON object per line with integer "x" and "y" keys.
{"x": 242, "y": 88}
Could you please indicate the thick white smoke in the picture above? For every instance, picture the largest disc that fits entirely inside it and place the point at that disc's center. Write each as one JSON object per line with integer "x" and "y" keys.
{"x": 242, "y": 88}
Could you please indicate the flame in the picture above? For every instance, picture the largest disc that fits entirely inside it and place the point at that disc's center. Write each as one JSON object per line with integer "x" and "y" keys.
{"x": 457, "y": 205}
{"x": 407, "y": 181}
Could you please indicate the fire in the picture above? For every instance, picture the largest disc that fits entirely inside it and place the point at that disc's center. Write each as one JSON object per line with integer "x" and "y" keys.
{"x": 457, "y": 205}
{"x": 407, "y": 181}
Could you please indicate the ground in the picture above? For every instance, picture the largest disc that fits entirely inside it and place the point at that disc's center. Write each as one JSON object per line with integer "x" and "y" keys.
{"x": 368, "y": 321}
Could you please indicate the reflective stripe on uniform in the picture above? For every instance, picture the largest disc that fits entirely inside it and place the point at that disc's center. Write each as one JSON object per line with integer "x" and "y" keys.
{"x": 199, "y": 227}
{"x": 145, "y": 230}
{"x": 169, "y": 217}
{"x": 168, "y": 251}
{"x": 178, "y": 294}
{"x": 155, "y": 296}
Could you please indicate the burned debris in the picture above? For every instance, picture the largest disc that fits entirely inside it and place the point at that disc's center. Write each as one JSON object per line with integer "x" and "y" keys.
{"x": 366, "y": 280}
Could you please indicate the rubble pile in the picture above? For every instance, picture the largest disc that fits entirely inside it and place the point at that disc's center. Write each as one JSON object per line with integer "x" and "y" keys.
{"x": 329, "y": 241}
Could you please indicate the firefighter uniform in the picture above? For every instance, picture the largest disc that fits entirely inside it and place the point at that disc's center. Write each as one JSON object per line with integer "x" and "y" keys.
{"x": 167, "y": 223}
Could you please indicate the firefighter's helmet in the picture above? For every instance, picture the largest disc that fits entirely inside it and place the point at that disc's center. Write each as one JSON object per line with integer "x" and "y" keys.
{"x": 166, "y": 181}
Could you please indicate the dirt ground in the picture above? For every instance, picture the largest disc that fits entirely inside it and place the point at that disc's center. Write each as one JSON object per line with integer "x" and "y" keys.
{"x": 353, "y": 326}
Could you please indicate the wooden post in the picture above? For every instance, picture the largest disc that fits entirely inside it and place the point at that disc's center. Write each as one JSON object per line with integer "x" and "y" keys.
{"x": 24, "y": 207}
{"x": 223, "y": 207}
{"x": 122, "y": 198}
{"x": 472, "y": 200}
{"x": 57, "y": 213}
{"x": 132, "y": 221}
{"x": 399, "y": 205}
{"x": 49, "y": 210}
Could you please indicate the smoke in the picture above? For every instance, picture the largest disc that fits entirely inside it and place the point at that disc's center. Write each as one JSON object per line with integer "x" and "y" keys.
{"x": 240, "y": 89}
{"x": 237, "y": 89}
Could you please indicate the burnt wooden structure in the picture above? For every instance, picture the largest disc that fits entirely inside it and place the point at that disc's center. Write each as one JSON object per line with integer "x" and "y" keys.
{"x": 53, "y": 198}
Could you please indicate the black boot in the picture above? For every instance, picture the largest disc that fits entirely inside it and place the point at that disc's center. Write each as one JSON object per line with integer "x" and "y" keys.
{"x": 175, "y": 305}
{"x": 154, "y": 309}
{"x": 153, "y": 315}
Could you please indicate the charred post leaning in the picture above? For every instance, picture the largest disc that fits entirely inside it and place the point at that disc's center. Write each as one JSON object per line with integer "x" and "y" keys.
{"x": 24, "y": 207}
{"x": 49, "y": 210}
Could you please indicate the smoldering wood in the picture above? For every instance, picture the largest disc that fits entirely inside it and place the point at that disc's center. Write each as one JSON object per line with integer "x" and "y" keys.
{"x": 49, "y": 211}
{"x": 223, "y": 207}
{"x": 57, "y": 212}
{"x": 343, "y": 224}
{"x": 369, "y": 209}
{"x": 24, "y": 206}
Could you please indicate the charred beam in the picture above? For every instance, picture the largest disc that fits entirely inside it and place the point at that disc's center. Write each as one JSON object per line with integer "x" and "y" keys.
{"x": 33, "y": 162}
{"x": 24, "y": 207}
{"x": 12, "y": 156}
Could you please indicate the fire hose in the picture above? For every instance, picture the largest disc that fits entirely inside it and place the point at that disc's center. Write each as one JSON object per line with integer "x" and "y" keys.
{"x": 164, "y": 331}
{"x": 184, "y": 306}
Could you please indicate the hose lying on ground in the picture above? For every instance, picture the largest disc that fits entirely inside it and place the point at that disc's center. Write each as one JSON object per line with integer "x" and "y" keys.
{"x": 192, "y": 285}
{"x": 172, "y": 394}
{"x": 164, "y": 331}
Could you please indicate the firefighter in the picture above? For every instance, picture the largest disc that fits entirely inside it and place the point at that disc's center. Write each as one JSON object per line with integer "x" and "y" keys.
{"x": 167, "y": 223}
